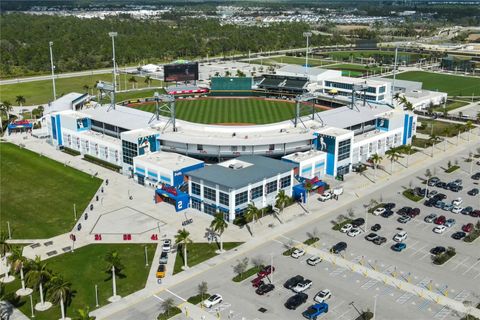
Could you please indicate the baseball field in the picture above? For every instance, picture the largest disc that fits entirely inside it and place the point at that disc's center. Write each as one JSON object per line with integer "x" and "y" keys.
{"x": 232, "y": 110}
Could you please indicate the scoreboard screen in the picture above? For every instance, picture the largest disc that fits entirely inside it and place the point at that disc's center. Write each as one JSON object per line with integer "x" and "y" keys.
{"x": 180, "y": 72}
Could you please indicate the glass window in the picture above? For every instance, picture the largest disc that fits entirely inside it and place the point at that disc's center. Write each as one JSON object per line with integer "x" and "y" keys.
{"x": 271, "y": 147}
{"x": 209, "y": 193}
{"x": 234, "y": 148}
{"x": 241, "y": 198}
{"x": 344, "y": 150}
{"x": 200, "y": 147}
{"x": 382, "y": 89}
{"x": 271, "y": 187}
{"x": 224, "y": 198}
{"x": 129, "y": 151}
{"x": 257, "y": 192}
{"x": 209, "y": 209}
{"x": 195, "y": 188}
{"x": 285, "y": 182}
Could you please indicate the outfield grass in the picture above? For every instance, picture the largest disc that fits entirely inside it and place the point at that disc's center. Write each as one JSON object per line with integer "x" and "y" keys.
{"x": 451, "y": 84}
{"x": 37, "y": 194}
{"x": 85, "y": 268}
{"x": 257, "y": 111}
{"x": 40, "y": 92}
{"x": 200, "y": 252}
{"x": 355, "y": 70}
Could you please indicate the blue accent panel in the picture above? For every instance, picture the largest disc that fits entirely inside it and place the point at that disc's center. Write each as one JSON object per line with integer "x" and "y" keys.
{"x": 152, "y": 174}
{"x": 177, "y": 178}
{"x": 320, "y": 164}
{"x": 84, "y": 124}
{"x": 165, "y": 179}
{"x": 223, "y": 209}
{"x": 382, "y": 124}
{"x": 139, "y": 174}
{"x": 315, "y": 141}
{"x": 59, "y": 130}
{"x": 54, "y": 128}
{"x": 410, "y": 127}
{"x": 307, "y": 169}
{"x": 405, "y": 129}
{"x": 138, "y": 169}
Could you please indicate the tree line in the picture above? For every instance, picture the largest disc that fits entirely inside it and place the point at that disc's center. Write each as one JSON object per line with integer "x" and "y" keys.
{"x": 81, "y": 44}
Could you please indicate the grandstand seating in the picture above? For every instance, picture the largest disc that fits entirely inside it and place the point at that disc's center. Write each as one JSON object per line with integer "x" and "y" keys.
{"x": 275, "y": 83}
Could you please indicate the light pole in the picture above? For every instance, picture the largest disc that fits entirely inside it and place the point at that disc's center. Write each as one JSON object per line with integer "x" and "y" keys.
{"x": 31, "y": 306}
{"x": 10, "y": 230}
{"x": 146, "y": 257}
{"x": 96, "y": 296}
{"x": 50, "y": 44}
{"x": 113, "y": 35}
{"x": 375, "y": 307}
{"x": 306, "y": 35}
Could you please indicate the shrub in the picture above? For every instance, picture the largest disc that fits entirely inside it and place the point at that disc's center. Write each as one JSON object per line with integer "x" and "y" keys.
{"x": 101, "y": 163}
{"x": 172, "y": 312}
{"x": 452, "y": 168}
{"x": 247, "y": 274}
{"x": 409, "y": 194}
{"x": 71, "y": 151}
{"x": 444, "y": 257}
{"x": 339, "y": 226}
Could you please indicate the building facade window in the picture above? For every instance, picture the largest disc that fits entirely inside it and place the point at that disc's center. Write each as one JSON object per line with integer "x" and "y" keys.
{"x": 271, "y": 147}
{"x": 285, "y": 182}
{"x": 382, "y": 89}
{"x": 241, "y": 198}
{"x": 344, "y": 150}
{"x": 129, "y": 151}
{"x": 224, "y": 198}
{"x": 209, "y": 193}
{"x": 271, "y": 187}
{"x": 200, "y": 147}
{"x": 234, "y": 148}
{"x": 257, "y": 192}
{"x": 195, "y": 188}
{"x": 209, "y": 209}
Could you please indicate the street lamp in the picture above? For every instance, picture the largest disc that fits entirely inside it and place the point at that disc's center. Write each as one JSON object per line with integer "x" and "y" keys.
{"x": 50, "y": 44}
{"x": 113, "y": 35}
{"x": 307, "y": 35}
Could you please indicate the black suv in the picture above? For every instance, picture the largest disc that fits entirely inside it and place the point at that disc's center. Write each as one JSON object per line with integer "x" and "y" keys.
{"x": 358, "y": 222}
{"x": 292, "y": 282}
{"x": 295, "y": 301}
{"x": 339, "y": 247}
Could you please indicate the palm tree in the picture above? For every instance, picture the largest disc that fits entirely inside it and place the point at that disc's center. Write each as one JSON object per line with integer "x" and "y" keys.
{"x": 219, "y": 225}
{"x": 433, "y": 139}
{"x": 86, "y": 87}
{"x": 113, "y": 260}
{"x": 148, "y": 80}
{"x": 468, "y": 127}
{"x": 392, "y": 155}
{"x": 20, "y": 100}
{"x": 251, "y": 213}
{"x": 167, "y": 305}
{"x": 4, "y": 245}
{"x": 16, "y": 259}
{"x": 83, "y": 314}
{"x": 376, "y": 159}
{"x": 38, "y": 275}
{"x": 408, "y": 150}
{"x": 183, "y": 238}
{"x": 446, "y": 133}
{"x": 281, "y": 200}
{"x": 5, "y": 107}
{"x": 132, "y": 80}
{"x": 60, "y": 291}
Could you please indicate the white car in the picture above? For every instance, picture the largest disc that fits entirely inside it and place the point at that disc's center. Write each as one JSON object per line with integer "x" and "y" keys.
{"x": 346, "y": 228}
{"x": 400, "y": 237}
{"x": 314, "y": 260}
{"x": 457, "y": 202}
{"x": 302, "y": 285}
{"x": 457, "y": 209}
{"x": 354, "y": 232}
{"x": 297, "y": 253}
{"x": 325, "y": 196}
{"x": 167, "y": 245}
{"x": 439, "y": 229}
{"x": 379, "y": 211}
{"x": 323, "y": 295}
{"x": 213, "y": 300}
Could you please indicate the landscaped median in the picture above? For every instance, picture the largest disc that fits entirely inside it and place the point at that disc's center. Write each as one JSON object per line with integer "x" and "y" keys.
{"x": 339, "y": 225}
{"x": 409, "y": 194}
{"x": 472, "y": 236}
{"x": 170, "y": 313}
{"x": 247, "y": 274}
{"x": 451, "y": 169}
{"x": 308, "y": 242}
{"x": 444, "y": 257}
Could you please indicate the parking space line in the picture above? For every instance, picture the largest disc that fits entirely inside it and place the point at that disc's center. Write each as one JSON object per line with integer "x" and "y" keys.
{"x": 460, "y": 263}
{"x": 473, "y": 265}
{"x": 404, "y": 297}
{"x": 158, "y": 298}
{"x": 175, "y": 295}
{"x": 442, "y": 313}
{"x": 369, "y": 284}
{"x": 462, "y": 295}
{"x": 424, "y": 305}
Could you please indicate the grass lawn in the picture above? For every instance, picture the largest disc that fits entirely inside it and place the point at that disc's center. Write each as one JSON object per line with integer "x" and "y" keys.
{"x": 312, "y": 62}
{"x": 380, "y": 56}
{"x": 200, "y": 252}
{"x": 209, "y": 111}
{"x": 421, "y": 143}
{"x": 438, "y": 127}
{"x": 247, "y": 274}
{"x": 451, "y": 84}
{"x": 38, "y": 193}
{"x": 355, "y": 70}
{"x": 410, "y": 195}
{"x": 40, "y": 92}
{"x": 85, "y": 268}
{"x": 451, "y": 105}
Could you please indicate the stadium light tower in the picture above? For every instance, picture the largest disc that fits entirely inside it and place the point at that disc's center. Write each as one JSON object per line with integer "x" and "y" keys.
{"x": 113, "y": 35}
{"x": 50, "y": 44}
{"x": 307, "y": 35}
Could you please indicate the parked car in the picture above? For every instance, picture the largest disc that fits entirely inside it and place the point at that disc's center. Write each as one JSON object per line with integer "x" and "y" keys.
{"x": 325, "y": 196}
{"x": 467, "y": 227}
{"x": 358, "y": 222}
{"x": 449, "y": 223}
{"x": 297, "y": 253}
{"x": 399, "y": 246}
{"x": 371, "y": 236}
{"x": 167, "y": 245}
{"x": 387, "y": 214}
{"x": 473, "y": 192}
{"x": 457, "y": 210}
{"x": 257, "y": 281}
{"x": 314, "y": 260}
{"x": 430, "y": 218}
{"x": 459, "y": 235}
{"x": 431, "y": 194}
{"x": 475, "y": 213}
{"x": 163, "y": 258}
{"x": 457, "y": 201}
{"x": 389, "y": 205}
{"x": 346, "y": 228}
{"x": 401, "y": 236}
{"x": 440, "y": 220}
{"x": 456, "y": 188}
{"x": 323, "y": 295}
{"x": 404, "y": 219}
{"x": 467, "y": 210}
{"x": 404, "y": 210}
{"x": 380, "y": 240}
{"x": 339, "y": 247}
{"x": 354, "y": 232}
{"x": 439, "y": 204}
{"x": 379, "y": 211}
{"x": 213, "y": 300}
{"x": 438, "y": 250}
{"x": 433, "y": 181}
{"x": 448, "y": 206}
{"x": 302, "y": 285}
{"x": 266, "y": 271}
{"x": 161, "y": 271}
{"x": 315, "y": 310}
{"x": 264, "y": 288}
{"x": 295, "y": 301}
{"x": 292, "y": 282}
{"x": 439, "y": 229}
{"x": 376, "y": 227}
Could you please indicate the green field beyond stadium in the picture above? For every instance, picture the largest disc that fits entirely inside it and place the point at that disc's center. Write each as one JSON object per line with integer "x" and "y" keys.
{"x": 38, "y": 193}
{"x": 232, "y": 110}
{"x": 451, "y": 84}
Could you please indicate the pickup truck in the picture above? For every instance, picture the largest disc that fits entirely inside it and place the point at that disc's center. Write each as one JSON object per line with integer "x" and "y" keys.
{"x": 315, "y": 310}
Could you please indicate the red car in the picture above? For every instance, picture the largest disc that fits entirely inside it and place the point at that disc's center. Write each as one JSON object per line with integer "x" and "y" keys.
{"x": 440, "y": 220}
{"x": 475, "y": 213}
{"x": 266, "y": 271}
{"x": 467, "y": 227}
{"x": 257, "y": 282}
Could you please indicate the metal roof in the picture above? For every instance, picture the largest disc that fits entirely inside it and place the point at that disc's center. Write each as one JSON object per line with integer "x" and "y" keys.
{"x": 311, "y": 71}
{"x": 124, "y": 117}
{"x": 261, "y": 168}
